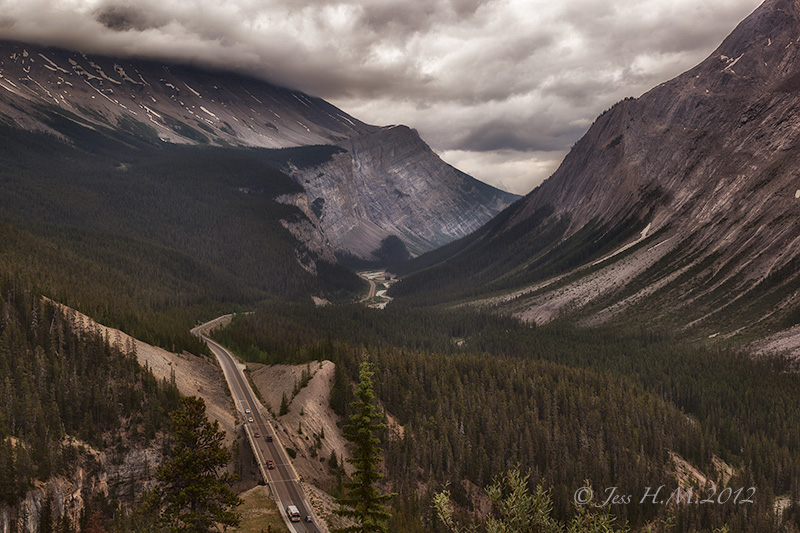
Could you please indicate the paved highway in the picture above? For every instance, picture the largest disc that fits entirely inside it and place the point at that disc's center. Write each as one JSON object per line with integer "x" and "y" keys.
{"x": 372, "y": 287}
{"x": 283, "y": 480}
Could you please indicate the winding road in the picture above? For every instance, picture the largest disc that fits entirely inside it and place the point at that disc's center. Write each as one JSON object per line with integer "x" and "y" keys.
{"x": 372, "y": 287}
{"x": 283, "y": 480}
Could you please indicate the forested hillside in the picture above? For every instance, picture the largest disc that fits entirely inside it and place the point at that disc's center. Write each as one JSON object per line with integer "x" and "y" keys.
{"x": 477, "y": 394}
{"x": 150, "y": 238}
{"x": 69, "y": 396}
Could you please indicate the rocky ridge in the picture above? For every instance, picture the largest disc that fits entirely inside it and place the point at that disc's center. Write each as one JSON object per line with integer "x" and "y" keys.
{"x": 372, "y": 190}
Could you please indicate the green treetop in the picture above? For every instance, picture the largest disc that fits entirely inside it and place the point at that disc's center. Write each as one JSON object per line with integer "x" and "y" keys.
{"x": 364, "y": 503}
{"x": 193, "y": 494}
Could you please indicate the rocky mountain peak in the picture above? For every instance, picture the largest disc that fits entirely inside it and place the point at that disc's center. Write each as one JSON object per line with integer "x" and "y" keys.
{"x": 382, "y": 181}
{"x": 756, "y": 68}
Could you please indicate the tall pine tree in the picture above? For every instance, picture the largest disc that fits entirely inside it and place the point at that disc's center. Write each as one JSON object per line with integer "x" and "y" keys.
{"x": 193, "y": 494}
{"x": 363, "y": 503}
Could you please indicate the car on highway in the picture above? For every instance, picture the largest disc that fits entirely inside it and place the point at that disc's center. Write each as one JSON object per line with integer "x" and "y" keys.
{"x": 269, "y": 438}
{"x": 256, "y": 434}
{"x": 270, "y": 465}
{"x": 309, "y": 519}
{"x": 293, "y": 513}
{"x": 247, "y": 411}
{"x": 250, "y": 419}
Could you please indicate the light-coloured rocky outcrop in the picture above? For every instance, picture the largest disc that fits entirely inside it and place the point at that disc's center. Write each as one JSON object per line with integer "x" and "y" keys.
{"x": 389, "y": 182}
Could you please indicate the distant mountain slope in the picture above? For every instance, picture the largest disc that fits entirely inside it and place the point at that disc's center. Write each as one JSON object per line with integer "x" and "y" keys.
{"x": 149, "y": 238}
{"x": 682, "y": 206}
{"x": 180, "y": 104}
{"x": 382, "y": 182}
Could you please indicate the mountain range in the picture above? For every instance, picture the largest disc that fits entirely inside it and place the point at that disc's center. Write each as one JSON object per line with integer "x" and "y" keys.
{"x": 377, "y": 181}
{"x": 580, "y": 333}
{"x": 681, "y": 205}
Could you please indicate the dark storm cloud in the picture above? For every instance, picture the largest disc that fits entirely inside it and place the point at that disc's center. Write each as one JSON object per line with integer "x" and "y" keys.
{"x": 493, "y": 84}
{"x": 520, "y": 135}
{"x": 124, "y": 18}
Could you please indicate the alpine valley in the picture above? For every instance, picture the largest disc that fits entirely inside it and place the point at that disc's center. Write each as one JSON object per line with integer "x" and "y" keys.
{"x": 681, "y": 206}
{"x": 616, "y": 351}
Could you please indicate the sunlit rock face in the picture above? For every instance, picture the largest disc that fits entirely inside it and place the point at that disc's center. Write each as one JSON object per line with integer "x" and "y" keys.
{"x": 389, "y": 182}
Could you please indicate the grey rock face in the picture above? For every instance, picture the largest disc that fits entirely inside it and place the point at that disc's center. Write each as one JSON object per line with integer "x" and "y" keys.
{"x": 389, "y": 182}
{"x": 123, "y": 478}
{"x": 707, "y": 140}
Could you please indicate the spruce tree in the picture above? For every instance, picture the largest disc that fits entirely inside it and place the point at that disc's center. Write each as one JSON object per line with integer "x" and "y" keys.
{"x": 517, "y": 510}
{"x": 284, "y": 406}
{"x": 363, "y": 503}
{"x": 193, "y": 494}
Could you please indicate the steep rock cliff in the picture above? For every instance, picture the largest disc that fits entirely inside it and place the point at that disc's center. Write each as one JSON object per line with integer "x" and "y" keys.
{"x": 389, "y": 182}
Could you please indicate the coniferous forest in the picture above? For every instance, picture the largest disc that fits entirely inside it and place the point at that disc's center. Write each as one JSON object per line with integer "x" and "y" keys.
{"x": 149, "y": 237}
{"x": 479, "y": 394}
{"x": 68, "y": 394}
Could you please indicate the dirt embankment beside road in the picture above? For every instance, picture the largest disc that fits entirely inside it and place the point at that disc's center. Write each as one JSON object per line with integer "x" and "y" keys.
{"x": 310, "y": 427}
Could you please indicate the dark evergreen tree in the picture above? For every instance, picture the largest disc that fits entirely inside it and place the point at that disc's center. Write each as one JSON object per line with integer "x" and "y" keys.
{"x": 46, "y": 515}
{"x": 284, "y": 406}
{"x": 94, "y": 523}
{"x": 363, "y": 502}
{"x": 392, "y": 251}
{"x": 193, "y": 494}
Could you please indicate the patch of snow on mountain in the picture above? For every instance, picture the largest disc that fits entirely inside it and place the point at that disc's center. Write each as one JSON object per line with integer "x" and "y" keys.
{"x": 122, "y": 74}
{"x": 347, "y": 120}
{"x": 99, "y": 69}
{"x": 55, "y": 67}
{"x": 80, "y": 71}
{"x": 202, "y": 108}
{"x": 300, "y": 100}
{"x": 197, "y": 94}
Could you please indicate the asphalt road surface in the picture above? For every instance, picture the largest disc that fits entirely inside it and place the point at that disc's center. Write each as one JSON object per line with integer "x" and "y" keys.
{"x": 372, "y": 288}
{"x": 283, "y": 479}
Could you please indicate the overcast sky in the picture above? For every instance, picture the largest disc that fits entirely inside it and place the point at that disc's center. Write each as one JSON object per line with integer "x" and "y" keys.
{"x": 499, "y": 88}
